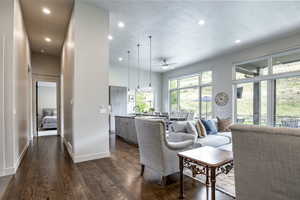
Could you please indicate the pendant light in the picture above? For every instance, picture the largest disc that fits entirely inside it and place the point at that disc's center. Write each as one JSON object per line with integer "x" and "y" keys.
{"x": 138, "y": 65}
{"x": 150, "y": 62}
{"x": 128, "y": 69}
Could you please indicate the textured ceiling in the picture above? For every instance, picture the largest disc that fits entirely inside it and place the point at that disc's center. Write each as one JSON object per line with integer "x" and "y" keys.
{"x": 177, "y": 35}
{"x": 39, "y": 25}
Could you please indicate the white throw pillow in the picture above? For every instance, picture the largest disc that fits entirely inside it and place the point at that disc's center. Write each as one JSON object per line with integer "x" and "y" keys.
{"x": 191, "y": 129}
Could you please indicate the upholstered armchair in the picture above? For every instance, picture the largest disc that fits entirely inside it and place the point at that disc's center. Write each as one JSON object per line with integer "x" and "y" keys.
{"x": 157, "y": 151}
{"x": 266, "y": 162}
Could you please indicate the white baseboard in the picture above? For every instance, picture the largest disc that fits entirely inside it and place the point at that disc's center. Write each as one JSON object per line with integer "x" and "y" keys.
{"x": 7, "y": 171}
{"x": 69, "y": 148}
{"x": 13, "y": 170}
{"x": 87, "y": 157}
{"x": 17, "y": 164}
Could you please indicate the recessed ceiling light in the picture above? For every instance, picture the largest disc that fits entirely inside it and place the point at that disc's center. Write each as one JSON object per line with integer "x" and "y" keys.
{"x": 201, "y": 22}
{"x": 47, "y": 11}
{"x": 48, "y": 39}
{"x": 121, "y": 24}
{"x": 120, "y": 59}
{"x": 110, "y": 37}
{"x": 237, "y": 41}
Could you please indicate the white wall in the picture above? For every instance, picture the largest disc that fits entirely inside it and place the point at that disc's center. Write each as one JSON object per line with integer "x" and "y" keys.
{"x": 45, "y": 64}
{"x": 15, "y": 91}
{"x": 22, "y": 85}
{"x": 118, "y": 76}
{"x": 67, "y": 69}
{"x": 85, "y": 78}
{"x": 222, "y": 69}
{"x": 6, "y": 32}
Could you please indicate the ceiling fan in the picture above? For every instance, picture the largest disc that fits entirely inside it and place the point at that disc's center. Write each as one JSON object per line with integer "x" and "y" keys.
{"x": 165, "y": 64}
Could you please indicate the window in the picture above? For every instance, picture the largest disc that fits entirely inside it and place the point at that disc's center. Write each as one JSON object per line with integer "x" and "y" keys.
{"x": 174, "y": 100}
{"x": 287, "y": 102}
{"x": 251, "y": 69}
{"x": 286, "y": 63}
{"x": 188, "y": 82}
{"x": 269, "y": 97}
{"x": 144, "y": 100}
{"x": 206, "y": 102}
{"x": 188, "y": 99}
{"x": 192, "y": 94}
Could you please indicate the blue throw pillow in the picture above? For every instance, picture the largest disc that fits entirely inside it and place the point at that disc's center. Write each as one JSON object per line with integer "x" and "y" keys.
{"x": 210, "y": 126}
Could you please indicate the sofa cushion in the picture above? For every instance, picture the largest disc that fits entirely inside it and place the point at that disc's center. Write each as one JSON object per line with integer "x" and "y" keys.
{"x": 210, "y": 126}
{"x": 223, "y": 125}
{"x": 226, "y": 134}
{"x": 212, "y": 140}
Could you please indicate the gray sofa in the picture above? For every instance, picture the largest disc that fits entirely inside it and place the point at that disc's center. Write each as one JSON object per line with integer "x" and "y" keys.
{"x": 215, "y": 140}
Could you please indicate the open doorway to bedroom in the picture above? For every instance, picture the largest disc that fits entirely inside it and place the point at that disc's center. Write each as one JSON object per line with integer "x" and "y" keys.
{"x": 46, "y": 108}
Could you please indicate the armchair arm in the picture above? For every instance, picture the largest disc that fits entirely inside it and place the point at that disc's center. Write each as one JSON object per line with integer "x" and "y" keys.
{"x": 179, "y": 145}
{"x": 179, "y": 137}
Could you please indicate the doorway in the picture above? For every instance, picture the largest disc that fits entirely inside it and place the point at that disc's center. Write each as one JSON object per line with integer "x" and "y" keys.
{"x": 46, "y": 108}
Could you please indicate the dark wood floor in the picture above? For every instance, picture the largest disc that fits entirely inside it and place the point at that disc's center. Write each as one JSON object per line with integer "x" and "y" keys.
{"x": 48, "y": 173}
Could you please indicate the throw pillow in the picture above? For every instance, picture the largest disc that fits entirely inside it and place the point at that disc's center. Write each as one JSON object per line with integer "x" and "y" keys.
{"x": 200, "y": 129}
{"x": 210, "y": 126}
{"x": 190, "y": 127}
{"x": 223, "y": 125}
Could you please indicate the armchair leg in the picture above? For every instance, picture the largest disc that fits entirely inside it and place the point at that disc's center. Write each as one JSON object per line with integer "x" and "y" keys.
{"x": 163, "y": 181}
{"x": 142, "y": 169}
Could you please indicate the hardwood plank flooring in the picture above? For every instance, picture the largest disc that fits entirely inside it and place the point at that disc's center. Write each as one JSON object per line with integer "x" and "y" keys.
{"x": 47, "y": 173}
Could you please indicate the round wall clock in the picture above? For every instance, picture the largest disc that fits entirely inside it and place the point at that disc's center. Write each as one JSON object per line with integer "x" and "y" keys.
{"x": 221, "y": 99}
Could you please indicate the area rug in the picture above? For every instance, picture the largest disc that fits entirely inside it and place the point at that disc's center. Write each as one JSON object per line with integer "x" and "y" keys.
{"x": 225, "y": 182}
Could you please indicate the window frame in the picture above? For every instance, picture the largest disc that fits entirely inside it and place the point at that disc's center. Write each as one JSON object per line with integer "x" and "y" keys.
{"x": 199, "y": 87}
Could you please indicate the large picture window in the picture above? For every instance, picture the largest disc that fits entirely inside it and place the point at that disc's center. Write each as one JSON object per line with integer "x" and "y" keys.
{"x": 192, "y": 94}
{"x": 269, "y": 94}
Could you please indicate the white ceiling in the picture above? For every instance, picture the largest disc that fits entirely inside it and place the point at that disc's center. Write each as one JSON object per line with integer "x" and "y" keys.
{"x": 177, "y": 35}
{"x": 39, "y": 25}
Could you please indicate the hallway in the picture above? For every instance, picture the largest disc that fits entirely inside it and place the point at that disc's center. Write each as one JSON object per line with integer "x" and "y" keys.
{"x": 47, "y": 173}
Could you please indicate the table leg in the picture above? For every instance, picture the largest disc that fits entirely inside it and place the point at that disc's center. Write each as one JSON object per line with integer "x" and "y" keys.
{"x": 207, "y": 176}
{"x": 213, "y": 182}
{"x": 181, "y": 177}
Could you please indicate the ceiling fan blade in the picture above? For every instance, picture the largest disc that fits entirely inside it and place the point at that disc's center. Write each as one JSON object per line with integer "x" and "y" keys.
{"x": 171, "y": 63}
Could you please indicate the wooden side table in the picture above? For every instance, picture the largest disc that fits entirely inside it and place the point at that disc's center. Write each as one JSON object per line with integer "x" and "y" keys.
{"x": 208, "y": 161}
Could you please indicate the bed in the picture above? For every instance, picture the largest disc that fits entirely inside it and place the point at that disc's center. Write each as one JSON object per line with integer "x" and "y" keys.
{"x": 49, "y": 119}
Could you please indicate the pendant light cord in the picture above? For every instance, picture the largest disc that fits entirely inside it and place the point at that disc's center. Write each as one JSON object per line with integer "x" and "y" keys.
{"x": 138, "y": 47}
{"x": 128, "y": 69}
{"x": 150, "y": 62}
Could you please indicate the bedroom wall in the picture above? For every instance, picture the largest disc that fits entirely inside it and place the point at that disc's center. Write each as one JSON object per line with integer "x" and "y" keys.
{"x": 118, "y": 77}
{"x": 222, "y": 69}
{"x": 47, "y": 98}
